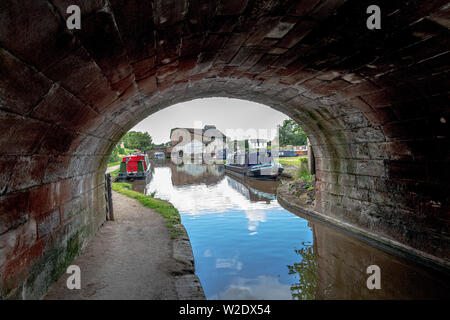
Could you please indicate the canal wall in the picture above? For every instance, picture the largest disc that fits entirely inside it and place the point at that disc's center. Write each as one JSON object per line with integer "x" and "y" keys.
{"x": 51, "y": 225}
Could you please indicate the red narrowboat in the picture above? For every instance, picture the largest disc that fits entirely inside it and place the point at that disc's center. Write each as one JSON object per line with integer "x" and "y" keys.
{"x": 134, "y": 166}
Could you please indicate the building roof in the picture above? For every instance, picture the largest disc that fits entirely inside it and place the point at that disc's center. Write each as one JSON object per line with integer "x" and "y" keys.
{"x": 196, "y": 132}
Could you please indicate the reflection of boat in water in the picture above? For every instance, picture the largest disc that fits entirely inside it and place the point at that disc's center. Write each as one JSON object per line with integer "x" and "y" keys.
{"x": 254, "y": 190}
{"x": 159, "y": 163}
{"x": 196, "y": 170}
{"x": 140, "y": 185}
{"x": 191, "y": 174}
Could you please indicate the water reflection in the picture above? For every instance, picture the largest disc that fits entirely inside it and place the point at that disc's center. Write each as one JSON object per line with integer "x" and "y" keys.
{"x": 141, "y": 185}
{"x": 254, "y": 190}
{"x": 305, "y": 272}
{"x": 246, "y": 246}
{"x": 259, "y": 288}
{"x": 342, "y": 261}
{"x": 191, "y": 174}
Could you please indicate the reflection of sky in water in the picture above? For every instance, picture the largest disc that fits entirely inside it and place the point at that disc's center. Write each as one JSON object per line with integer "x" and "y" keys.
{"x": 261, "y": 287}
{"x": 202, "y": 199}
{"x": 241, "y": 248}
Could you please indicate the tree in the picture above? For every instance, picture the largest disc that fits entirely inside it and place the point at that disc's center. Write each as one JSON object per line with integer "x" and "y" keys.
{"x": 137, "y": 140}
{"x": 162, "y": 145}
{"x": 132, "y": 140}
{"x": 115, "y": 155}
{"x": 290, "y": 133}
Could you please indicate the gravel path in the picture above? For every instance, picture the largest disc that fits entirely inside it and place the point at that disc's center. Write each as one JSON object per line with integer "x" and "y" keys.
{"x": 130, "y": 258}
{"x": 111, "y": 169}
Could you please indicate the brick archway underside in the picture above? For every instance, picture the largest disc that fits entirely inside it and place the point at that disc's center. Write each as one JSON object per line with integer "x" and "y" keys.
{"x": 374, "y": 104}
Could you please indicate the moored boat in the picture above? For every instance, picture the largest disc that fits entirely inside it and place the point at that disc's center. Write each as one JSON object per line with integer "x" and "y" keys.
{"x": 262, "y": 171}
{"x": 159, "y": 155}
{"x": 253, "y": 165}
{"x": 256, "y": 161}
{"x": 134, "y": 166}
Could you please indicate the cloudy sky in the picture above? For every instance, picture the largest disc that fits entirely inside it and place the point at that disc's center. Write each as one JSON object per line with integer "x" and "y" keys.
{"x": 224, "y": 113}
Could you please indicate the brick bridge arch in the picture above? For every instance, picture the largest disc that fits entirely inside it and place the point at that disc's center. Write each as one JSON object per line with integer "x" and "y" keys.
{"x": 373, "y": 102}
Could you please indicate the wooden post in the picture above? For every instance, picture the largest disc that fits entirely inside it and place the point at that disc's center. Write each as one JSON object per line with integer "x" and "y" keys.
{"x": 110, "y": 215}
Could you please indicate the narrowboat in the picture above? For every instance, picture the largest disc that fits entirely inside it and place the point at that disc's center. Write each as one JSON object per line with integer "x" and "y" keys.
{"x": 159, "y": 155}
{"x": 259, "y": 170}
{"x": 134, "y": 166}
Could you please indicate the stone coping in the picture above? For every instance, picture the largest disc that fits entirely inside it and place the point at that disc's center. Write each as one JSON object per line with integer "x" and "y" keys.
{"x": 187, "y": 284}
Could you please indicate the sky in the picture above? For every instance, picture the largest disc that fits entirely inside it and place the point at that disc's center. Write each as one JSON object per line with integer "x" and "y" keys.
{"x": 224, "y": 113}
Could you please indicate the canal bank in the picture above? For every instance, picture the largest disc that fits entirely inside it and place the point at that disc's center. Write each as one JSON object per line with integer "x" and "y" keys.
{"x": 295, "y": 205}
{"x": 134, "y": 257}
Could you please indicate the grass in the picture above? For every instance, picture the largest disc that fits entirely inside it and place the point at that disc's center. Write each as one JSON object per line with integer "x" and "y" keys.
{"x": 114, "y": 163}
{"x": 165, "y": 208}
{"x": 114, "y": 173}
{"x": 302, "y": 173}
{"x": 293, "y": 161}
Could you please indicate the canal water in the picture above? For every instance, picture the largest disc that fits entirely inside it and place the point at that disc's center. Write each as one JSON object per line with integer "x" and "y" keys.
{"x": 246, "y": 246}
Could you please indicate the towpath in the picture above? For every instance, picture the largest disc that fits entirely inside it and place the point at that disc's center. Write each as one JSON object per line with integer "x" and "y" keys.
{"x": 133, "y": 258}
{"x": 111, "y": 169}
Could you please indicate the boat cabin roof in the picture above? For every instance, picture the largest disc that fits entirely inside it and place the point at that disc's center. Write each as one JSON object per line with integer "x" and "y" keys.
{"x": 135, "y": 157}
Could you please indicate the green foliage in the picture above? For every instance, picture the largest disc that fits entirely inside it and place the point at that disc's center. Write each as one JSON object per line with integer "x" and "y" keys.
{"x": 307, "y": 273}
{"x": 137, "y": 140}
{"x": 165, "y": 208}
{"x": 114, "y": 173}
{"x": 291, "y": 133}
{"x": 115, "y": 163}
{"x": 133, "y": 141}
{"x": 303, "y": 173}
{"x": 115, "y": 156}
{"x": 163, "y": 145}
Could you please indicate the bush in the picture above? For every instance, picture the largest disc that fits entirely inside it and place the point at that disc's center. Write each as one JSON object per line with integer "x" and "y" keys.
{"x": 303, "y": 173}
{"x": 115, "y": 156}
